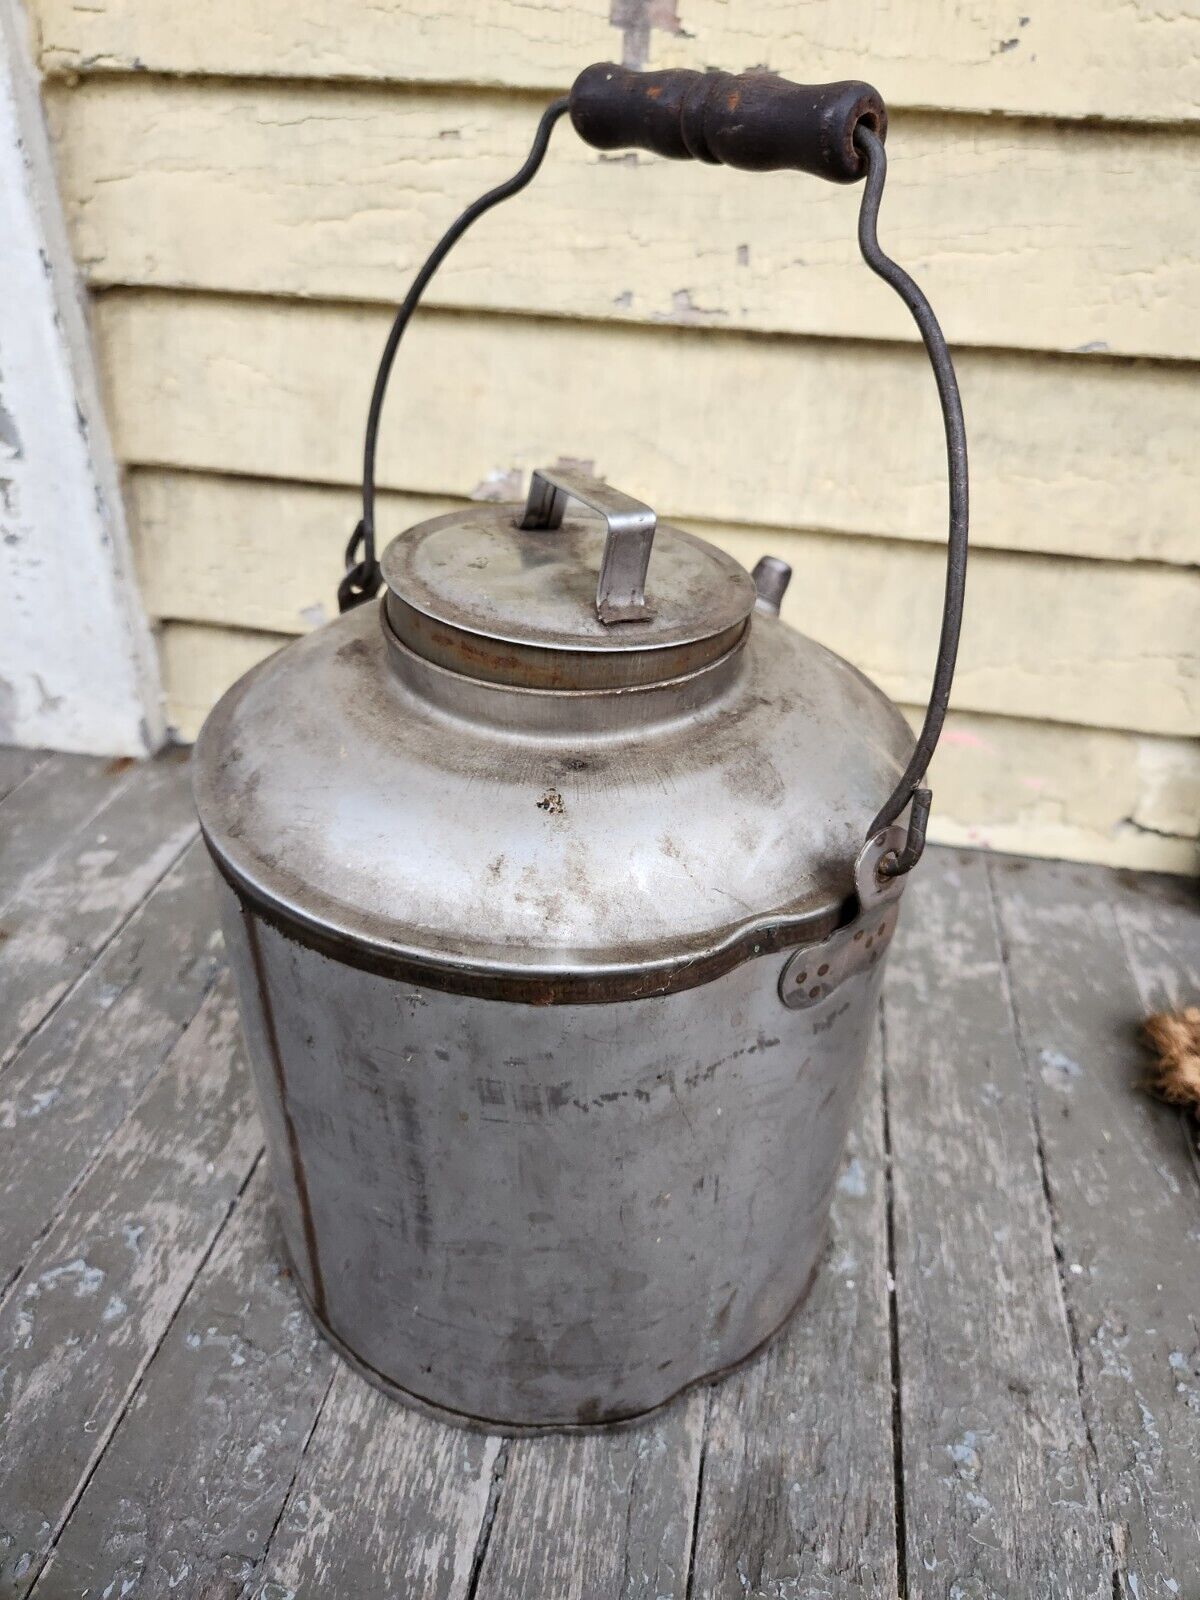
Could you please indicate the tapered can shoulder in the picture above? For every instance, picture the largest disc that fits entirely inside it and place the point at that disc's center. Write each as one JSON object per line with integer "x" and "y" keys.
{"x": 383, "y": 803}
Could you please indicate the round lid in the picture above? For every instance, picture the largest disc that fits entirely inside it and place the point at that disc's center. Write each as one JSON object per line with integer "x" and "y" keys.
{"x": 536, "y": 599}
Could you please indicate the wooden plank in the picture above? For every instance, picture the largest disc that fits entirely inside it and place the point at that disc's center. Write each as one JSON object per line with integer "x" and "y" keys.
{"x": 16, "y": 765}
{"x": 797, "y": 1494}
{"x": 86, "y": 1315}
{"x": 45, "y": 812}
{"x": 1085, "y": 642}
{"x": 60, "y": 918}
{"x": 599, "y": 1514}
{"x": 1081, "y": 457}
{"x": 1000, "y": 782}
{"x": 385, "y": 1502}
{"x": 1159, "y": 920}
{"x": 1125, "y": 1205}
{"x": 998, "y": 1482}
{"x": 186, "y": 1495}
{"x": 197, "y": 185}
{"x": 1065, "y": 58}
{"x": 73, "y": 1083}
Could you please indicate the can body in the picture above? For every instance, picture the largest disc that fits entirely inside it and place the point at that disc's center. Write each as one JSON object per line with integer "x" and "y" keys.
{"x": 546, "y": 1215}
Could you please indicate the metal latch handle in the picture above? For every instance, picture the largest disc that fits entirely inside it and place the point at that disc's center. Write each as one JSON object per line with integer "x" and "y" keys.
{"x": 621, "y": 587}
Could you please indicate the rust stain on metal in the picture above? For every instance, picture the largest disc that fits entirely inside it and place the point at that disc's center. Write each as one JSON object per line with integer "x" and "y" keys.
{"x": 298, "y": 1174}
{"x": 551, "y": 802}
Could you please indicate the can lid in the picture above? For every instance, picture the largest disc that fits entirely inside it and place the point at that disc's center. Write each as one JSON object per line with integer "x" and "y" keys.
{"x": 538, "y": 599}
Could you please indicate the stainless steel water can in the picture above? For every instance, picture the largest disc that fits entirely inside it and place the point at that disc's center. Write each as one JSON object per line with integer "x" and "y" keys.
{"x": 558, "y": 885}
{"x": 551, "y": 963}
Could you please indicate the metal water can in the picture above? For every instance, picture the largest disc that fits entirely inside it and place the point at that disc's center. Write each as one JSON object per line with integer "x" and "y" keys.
{"x": 558, "y": 885}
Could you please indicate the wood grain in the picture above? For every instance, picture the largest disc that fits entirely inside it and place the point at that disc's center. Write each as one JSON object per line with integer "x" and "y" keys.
{"x": 84, "y": 1318}
{"x": 17, "y": 765}
{"x": 1067, "y": 58}
{"x": 212, "y": 185}
{"x": 62, "y": 916}
{"x": 607, "y": 1514}
{"x": 1125, "y": 1201}
{"x": 71, "y": 1086}
{"x": 992, "y": 1417}
{"x": 1072, "y": 456}
{"x": 797, "y": 1490}
{"x": 366, "y": 1453}
{"x": 188, "y": 1492}
{"x": 59, "y": 796}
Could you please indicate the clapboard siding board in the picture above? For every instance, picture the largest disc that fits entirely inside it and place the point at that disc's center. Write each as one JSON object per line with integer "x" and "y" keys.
{"x": 1090, "y": 642}
{"x": 1002, "y": 783}
{"x": 1082, "y": 457}
{"x": 1100, "y": 58}
{"x": 213, "y": 186}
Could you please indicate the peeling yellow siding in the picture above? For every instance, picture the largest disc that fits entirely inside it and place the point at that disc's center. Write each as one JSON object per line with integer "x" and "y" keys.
{"x": 1127, "y": 59}
{"x": 1068, "y": 455}
{"x": 338, "y": 192}
{"x": 1124, "y": 654}
{"x": 249, "y": 186}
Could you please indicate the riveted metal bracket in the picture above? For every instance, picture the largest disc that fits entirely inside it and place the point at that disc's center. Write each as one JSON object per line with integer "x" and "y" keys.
{"x": 874, "y": 886}
{"x": 812, "y": 973}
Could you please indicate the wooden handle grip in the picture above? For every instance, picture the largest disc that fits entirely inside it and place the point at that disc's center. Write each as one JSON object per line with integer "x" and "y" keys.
{"x": 753, "y": 121}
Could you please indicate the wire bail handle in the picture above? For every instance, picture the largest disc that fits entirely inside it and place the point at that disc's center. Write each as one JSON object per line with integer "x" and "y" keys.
{"x": 759, "y": 123}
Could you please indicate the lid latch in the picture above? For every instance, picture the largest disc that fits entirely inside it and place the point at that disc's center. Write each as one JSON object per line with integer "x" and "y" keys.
{"x": 621, "y": 589}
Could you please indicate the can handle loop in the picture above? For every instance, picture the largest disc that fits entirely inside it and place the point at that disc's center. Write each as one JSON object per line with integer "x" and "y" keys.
{"x": 758, "y": 123}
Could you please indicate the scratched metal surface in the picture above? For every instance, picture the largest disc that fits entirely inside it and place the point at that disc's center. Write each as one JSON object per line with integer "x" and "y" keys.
{"x": 993, "y": 1389}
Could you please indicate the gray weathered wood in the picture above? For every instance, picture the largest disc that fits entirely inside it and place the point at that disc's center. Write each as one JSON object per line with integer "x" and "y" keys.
{"x": 60, "y": 795}
{"x": 386, "y": 1502}
{"x": 170, "y": 1423}
{"x": 797, "y": 1494}
{"x": 85, "y": 1316}
{"x": 16, "y": 766}
{"x": 186, "y": 1495}
{"x": 1126, "y": 1213}
{"x": 66, "y": 1091}
{"x": 587, "y": 1514}
{"x": 60, "y": 917}
{"x": 1159, "y": 920}
{"x": 998, "y": 1483}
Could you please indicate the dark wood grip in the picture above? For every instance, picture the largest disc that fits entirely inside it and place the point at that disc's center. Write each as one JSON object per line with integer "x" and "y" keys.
{"x": 754, "y": 121}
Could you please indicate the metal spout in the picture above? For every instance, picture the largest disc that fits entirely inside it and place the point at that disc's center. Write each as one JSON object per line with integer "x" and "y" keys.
{"x": 771, "y": 578}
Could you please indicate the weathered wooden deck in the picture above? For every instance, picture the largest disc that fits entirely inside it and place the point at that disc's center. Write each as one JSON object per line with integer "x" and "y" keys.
{"x": 993, "y": 1391}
